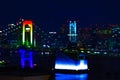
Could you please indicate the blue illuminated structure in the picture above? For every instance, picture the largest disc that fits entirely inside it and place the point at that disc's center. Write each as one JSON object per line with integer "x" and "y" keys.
{"x": 64, "y": 62}
{"x": 72, "y": 31}
{"x": 73, "y": 65}
{"x": 23, "y": 58}
{"x": 59, "y": 76}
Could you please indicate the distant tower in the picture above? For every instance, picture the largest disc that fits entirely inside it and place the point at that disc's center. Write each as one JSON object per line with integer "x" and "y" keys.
{"x": 72, "y": 31}
{"x": 27, "y": 33}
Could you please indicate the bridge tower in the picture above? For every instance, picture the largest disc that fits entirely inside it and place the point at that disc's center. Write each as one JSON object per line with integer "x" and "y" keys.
{"x": 27, "y": 33}
{"x": 72, "y": 31}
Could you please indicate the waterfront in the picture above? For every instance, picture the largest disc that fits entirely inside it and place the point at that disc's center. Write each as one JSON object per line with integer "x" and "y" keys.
{"x": 100, "y": 68}
{"x": 59, "y": 76}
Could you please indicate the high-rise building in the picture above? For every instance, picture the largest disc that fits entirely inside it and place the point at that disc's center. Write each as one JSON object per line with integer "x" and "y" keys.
{"x": 72, "y": 32}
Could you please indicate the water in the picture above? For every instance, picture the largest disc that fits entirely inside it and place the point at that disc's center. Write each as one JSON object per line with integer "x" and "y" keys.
{"x": 101, "y": 68}
{"x": 86, "y": 76}
{"x": 59, "y": 76}
{"x": 62, "y": 76}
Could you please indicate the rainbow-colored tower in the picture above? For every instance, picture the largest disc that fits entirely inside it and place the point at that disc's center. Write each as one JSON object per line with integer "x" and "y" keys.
{"x": 27, "y": 33}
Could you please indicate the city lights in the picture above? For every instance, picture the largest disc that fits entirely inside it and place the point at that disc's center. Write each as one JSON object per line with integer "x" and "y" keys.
{"x": 71, "y": 43}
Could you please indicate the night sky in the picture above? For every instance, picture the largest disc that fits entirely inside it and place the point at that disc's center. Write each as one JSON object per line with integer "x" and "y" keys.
{"x": 50, "y": 14}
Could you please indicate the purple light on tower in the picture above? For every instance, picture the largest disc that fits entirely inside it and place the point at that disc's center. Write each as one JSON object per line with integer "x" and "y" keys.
{"x": 23, "y": 58}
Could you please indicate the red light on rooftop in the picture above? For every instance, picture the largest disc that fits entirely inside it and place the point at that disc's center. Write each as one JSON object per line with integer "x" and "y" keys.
{"x": 27, "y": 22}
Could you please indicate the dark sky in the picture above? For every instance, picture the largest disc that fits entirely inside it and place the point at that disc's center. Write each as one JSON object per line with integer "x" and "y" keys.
{"x": 52, "y": 13}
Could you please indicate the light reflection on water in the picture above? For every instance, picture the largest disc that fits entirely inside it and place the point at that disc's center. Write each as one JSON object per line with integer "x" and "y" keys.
{"x": 59, "y": 76}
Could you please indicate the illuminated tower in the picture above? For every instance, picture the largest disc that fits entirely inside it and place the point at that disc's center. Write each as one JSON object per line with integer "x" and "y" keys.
{"x": 27, "y": 33}
{"x": 26, "y": 56}
{"x": 72, "y": 31}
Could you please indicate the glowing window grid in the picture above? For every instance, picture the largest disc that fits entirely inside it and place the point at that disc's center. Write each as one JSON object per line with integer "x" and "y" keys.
{"x": 72, "y": 31}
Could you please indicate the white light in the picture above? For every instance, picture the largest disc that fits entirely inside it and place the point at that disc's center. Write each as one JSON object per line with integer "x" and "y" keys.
{"x": 52, "y": 32}
{"x": 48, "y": 46}
{"x": 88, "y": 51}
{"x": 44, "y": 45}
{"x": 72, "y": 34}
{"x": 95, "y": 52}
{"x": 82, "y": 66}
{"x": 82, "y": 51}
{"x": 105, "y": 52}
{"x": 27, "y": 29}
{"x": 47, "y": 53}
{"x": 42, "y": 53}
{"x": 11, "y": 24}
